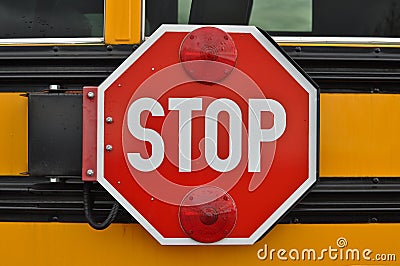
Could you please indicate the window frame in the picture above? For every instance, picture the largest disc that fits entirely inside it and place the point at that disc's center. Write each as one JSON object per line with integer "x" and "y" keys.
{"x": 58, "y": 40}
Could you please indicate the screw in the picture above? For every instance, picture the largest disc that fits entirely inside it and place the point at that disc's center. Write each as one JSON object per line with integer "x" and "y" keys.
{"x": 90, "y": 94}
{"x": 109, "y": 147}
{"x": 152, "y": 69}
{"x": 90, "y": 172}
{"x": 119, "y": 182}
{"x": 109, "y": 120}
{"x": 119, "y": 85}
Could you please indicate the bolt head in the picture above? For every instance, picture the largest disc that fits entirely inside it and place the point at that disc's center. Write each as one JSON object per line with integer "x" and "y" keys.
{"x": 109, "y": 147}
{"x": 90, "y": 94}
{"x": 89, "y": 172}
{"x": 109, "y": 120}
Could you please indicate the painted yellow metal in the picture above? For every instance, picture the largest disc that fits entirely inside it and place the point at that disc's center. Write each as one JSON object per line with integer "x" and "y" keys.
{"x": 65, "y": 244}
{"x": 13, "y": 134}
{"x": 360, "y": 135}
{"x": 123, "y": 22}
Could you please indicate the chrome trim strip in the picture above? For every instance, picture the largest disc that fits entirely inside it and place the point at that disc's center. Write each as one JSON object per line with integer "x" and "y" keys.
{"x": 279, "y": 39}
{"x": 88, "y": 40}
{"x": 143, "y": 21}
{"x": 337, "y": 40}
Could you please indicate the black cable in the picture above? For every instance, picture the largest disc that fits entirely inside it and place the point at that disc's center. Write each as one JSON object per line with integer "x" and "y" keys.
{"x": 88, "y": 207}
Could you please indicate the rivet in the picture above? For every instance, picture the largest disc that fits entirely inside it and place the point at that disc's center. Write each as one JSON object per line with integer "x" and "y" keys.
{"x": 119, "y": 182}
{"x": 109, "y": 147}
{"x": 152, "y": 69}
{"x": 119, "y": 85}
{"x": 54, "y": 179}
{"x": 109, "y": 120}
{"x": 90, "y": 172}
{"x": 54, "y": 87}
{"x": 90, "y": 94}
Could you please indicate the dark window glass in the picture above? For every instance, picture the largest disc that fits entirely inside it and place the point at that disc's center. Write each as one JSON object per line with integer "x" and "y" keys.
{"x": 357, "y": 18}
{"x": 360, "y": 18}
{"x": 51, "y": 18}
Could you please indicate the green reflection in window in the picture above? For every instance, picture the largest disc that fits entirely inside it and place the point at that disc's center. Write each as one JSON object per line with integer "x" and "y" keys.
{"x": 284, "y": 16}
{"x": 184, "y": 11}
{"x": 270, "y": 15}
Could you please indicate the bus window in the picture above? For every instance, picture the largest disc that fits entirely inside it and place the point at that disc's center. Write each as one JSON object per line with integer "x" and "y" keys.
{"x": 363, "y": 18}
{"x": 340, "y": 18}
{"x": 160, "y": 12}
{"x": 51, "y": 18}
{"x": 282, "y": 16}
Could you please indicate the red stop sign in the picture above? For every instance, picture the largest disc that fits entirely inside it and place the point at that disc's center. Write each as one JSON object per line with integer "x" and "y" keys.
{"x": 207, "y": 135}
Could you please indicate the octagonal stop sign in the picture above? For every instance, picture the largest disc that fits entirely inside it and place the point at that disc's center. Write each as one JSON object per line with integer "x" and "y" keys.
{"x": 207, "y": 134}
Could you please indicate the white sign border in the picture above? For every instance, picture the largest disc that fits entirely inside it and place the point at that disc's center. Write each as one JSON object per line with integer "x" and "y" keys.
{"x": 313, "y": 138}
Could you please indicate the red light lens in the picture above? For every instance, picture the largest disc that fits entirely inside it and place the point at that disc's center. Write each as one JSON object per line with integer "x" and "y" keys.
{"x": 207, "y": 214}
{"x": 205, "y": 46}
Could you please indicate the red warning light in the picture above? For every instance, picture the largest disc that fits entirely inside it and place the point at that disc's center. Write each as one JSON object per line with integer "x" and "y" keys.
{"x": 203, "y": 47}
{"x": 207, "y": 214}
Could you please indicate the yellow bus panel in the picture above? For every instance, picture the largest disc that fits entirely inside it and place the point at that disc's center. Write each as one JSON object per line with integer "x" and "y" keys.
{"x": 64, "y": 244}
{"x": 123, "y": 22}
{"x": 13, "y": 134}
{"x": 360, "y": 135}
